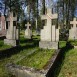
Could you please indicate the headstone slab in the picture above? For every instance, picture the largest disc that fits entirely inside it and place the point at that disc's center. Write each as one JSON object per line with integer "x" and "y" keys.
{"x": 28, "y": 31}
{"x": 49, "y": 35}
{"x": 73, "y": 30}
{"x": 48, "y": 45}
{"x": 12, "y": 36}
{"x": 11, "y": 42}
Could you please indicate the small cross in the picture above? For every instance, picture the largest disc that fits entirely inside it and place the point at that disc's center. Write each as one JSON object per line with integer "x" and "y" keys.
{"x": 74, "y": 22}
{"x": 28, "y": 25}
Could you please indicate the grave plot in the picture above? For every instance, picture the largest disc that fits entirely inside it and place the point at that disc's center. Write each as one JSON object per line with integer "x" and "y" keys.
{"x": 27, "y": 47}
{"x": 29, "y": 50}
{"x": 69, "y": 65}
{"x": 37, "y": 63}
{"x": 37, "y": 60}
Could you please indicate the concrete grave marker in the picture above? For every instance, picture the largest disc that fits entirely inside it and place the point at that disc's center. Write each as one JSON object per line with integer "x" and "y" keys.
{"x": 28, "y": 31}
{"x": 73, "y": 30}
{"x": 12, "y": 36}
{"x": 49, "y": 35}
{"x": 2, "y": 26}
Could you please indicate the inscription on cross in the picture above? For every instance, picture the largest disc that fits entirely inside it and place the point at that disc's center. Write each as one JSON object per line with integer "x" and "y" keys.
{"x": 74, "y": 22}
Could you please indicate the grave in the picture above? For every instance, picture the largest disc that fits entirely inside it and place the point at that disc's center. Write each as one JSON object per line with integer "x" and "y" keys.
{"x": 73, "y": 30}
{"x": 12, "y": 36}
{"x": 2, "y": 26}
{"x": 49, "y": 35}
{"x": 28, "y": 31}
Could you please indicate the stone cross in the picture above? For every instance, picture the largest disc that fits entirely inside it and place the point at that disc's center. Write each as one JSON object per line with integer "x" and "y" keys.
{"x": 49, "y": 34}
{"x": 73, "y": 30}
{"x": 11, "y": 19}
{"x": 74, "y": 22}
{"x": 12, "y": 35}
{"x": 28, "y": 31}
{"x": 49, "y": 16}
{"x": 28, "y": 25}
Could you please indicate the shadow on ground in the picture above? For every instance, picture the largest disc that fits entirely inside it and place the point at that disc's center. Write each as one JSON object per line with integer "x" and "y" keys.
{"x": 59, "y": 62}
{"x": 27, "y": 44}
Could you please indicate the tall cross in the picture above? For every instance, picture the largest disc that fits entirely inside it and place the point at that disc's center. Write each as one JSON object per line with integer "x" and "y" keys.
{"x": 74, "y": 22}
{"x": 49, "y": 16}
{"x": 28, "y": 25}
{"x": 11, "y": 18}
{"x": 11, "y": 32}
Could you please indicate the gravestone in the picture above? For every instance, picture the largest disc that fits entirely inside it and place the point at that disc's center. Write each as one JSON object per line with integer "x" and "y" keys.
{"x": 28, "y": 31}
{"x": 73, "y": 30}
{"x": 12, "y": 36}
{"x": 2, "y": 26}
{"x": 37, "y": 31}
{"x": 49, "y": 35}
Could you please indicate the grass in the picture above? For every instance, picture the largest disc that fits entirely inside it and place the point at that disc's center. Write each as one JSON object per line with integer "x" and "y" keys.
{"x": 3, "y": 46}
{"x": 62, "y": 44}
{"x": 73, "y": 42}
{"x": 37, "y": 60}
{"x": 69, "y": 66}
{"x": 26, "y": 47}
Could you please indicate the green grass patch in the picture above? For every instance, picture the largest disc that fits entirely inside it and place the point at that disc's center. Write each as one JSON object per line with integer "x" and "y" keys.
{"x": 73, "y": 42}
{"x": 37, "y": 60}
{"x": 3, "y": 46}
{"x": 69, "y": 66}
{"x": 62, "y": 44}
{"x": 27, "y": 46}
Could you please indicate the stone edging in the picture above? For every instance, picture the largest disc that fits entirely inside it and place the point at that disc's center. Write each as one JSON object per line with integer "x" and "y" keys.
{"x": 22, "y": 71}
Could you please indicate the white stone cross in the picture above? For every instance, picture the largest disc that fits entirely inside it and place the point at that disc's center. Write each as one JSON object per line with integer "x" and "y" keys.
{"x": 11, "y": 18}
{"x": 49, "y": 16}
{"x": 74, "y": 22}
{"x": 11, "y": 27}
{"x": 28, "y": 25}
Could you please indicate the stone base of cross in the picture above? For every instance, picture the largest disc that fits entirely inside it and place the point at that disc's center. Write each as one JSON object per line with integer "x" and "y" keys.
{"x": 48, "y": 45}
{"x": 11, "y": 42}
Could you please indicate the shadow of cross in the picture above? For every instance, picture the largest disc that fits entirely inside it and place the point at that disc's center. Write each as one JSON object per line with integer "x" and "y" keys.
{"x": 74, "y": 22}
